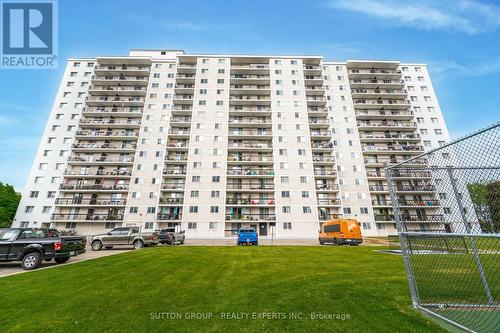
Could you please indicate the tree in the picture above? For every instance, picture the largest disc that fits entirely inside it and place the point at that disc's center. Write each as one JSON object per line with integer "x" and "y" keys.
{"x": 485, "y": 199}
{"x": 9, "y": 200}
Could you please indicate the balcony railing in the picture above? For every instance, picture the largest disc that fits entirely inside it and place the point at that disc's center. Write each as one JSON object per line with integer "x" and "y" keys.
{"x": 90, "y": 202}
{"x": 328, "y": 202}
{"x": 107, "y": 133}
{"x": 414, "y": 188}
{"x": 399, "y": 148}
{"x": 87, "y": 217}
{"x": 327, "y": 187}
{"x": 173, "y": 186}
{"x": 171, "y": 201}
{"x": 96, "y": 187}
{"x": 236, "y": 186}
{"x": 422, "y": 217}
{"x": 250, "y": 172}
{"x": 250, "y": 201}
{"x": 162, "y": 216}
{"x": 418, "y": 203}
{"x": 251, "y": 217}
{"x": 384, "y": 217}
{"x": 323, "y": 159}
{"x": 98, "y": 173}
{"x": 91, "y": 159}
{"x": 103, "y": 146}
{"x": 325, "y": 172}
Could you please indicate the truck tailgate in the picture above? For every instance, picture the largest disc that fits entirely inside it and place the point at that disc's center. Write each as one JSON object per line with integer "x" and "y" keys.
{"x": 72, "y": 243}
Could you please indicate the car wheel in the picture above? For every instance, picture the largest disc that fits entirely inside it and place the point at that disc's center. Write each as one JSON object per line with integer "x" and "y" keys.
{"x": 61, "y": 260}
{"x": 96, "y": 245}
{"x": 31, "y": 261}
{"x": 108, "y": 247}
{"x": 138, "y": 244}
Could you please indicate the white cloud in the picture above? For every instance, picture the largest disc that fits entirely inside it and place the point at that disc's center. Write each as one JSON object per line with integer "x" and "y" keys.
{"x": 475, "y": 68}
{"x": 467, "y": 16}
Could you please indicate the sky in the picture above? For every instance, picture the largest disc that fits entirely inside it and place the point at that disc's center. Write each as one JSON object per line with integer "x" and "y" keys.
{"x": 458, "y": 39}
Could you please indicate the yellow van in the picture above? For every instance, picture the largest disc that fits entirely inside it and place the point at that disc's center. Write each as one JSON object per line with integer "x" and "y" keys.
{"x": 340, "y": 232}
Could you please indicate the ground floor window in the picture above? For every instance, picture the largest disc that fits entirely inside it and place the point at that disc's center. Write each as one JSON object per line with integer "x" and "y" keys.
{"x": 287, "y": 225}
{"x": 380, "y": 226}
{"x": 148, "y": 225}
{"x": 24, "y": 224}
{"x": 212, "y": 225}
{"x": 109, "y": 225}
{"x": 192, "y": 225}
{"x": 366, "y": 226}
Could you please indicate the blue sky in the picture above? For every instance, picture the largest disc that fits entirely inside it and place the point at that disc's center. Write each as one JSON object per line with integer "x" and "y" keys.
{"x": 459, "y": 39}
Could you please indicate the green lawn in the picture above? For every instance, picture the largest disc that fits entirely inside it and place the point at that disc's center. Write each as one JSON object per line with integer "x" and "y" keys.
{"x": 119, "y": 293}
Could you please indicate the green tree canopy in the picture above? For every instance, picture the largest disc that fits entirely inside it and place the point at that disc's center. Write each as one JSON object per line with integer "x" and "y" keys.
{"x": 9, "y": 200}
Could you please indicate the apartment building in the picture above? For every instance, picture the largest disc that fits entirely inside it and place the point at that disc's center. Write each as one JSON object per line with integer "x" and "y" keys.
{"x": 212, "y": 143}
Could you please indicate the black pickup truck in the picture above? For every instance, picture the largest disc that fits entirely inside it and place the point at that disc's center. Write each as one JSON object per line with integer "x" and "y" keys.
{"x": 31, "y": 246}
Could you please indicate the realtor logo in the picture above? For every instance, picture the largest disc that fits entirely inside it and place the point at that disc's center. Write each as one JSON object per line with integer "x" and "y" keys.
{"x": 29, "y": 38}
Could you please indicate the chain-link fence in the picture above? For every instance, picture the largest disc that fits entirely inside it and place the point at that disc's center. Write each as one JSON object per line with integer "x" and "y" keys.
{"x": 447, "y": 207}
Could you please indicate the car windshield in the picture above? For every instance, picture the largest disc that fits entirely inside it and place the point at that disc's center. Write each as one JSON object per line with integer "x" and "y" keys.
{"x": 167, "y": 230}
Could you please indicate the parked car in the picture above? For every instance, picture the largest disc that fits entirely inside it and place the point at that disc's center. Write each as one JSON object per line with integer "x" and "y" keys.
{"x": 123, "y": 236}
{"x": 247, "y": 236}
{"x": 171, "y": 237}
{"x": 340, "y": 232}
{"x": 31, "y": 246}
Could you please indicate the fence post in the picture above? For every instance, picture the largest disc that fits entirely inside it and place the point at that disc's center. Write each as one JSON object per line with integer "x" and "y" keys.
{"x": 477, "y": 260}
{"x": 402, "y": 242}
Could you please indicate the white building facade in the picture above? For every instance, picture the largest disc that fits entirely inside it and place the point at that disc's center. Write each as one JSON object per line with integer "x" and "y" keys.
{"x": 212, "y": 143}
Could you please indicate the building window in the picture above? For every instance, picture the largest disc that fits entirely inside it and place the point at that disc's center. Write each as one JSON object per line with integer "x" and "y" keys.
{"x": 287, "y": 225}
{"x": 192, "y": 225}
{"x": 306, "y": 210}
{"x": 212, "y": 225}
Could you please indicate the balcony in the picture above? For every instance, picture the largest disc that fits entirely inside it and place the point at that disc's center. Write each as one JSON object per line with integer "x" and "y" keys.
{"x": 178, "y": 145}
{"x": 174, "y": 172}
{"x": 112, "y": 111}
{"x": 250, "y": 186}
{"x": 239, "y": 79}
{"x": 366, "y": 137}
{"x": 250, "y": 159}
{"x": 106, "y": 135}
{"x": 172, "y": 186}
{"x": 185, "y": 78}
{"x": 121, "y": 79}
{"x": 249, "y": 172}
{"x": 250, "y": 134}
{"x": 323, "y": 159}
{"x": 249, "y": 122}
{"x": 328, "y": 202}
{"x": 325, "y": 173}
{"x": 379, "y": 93}
{"x": 98, "y": 173}
{"x": 381, "y": 203}
{"x": 422, "y": 217}
{"x": 384, "y": 114}
{"x": 89, "y": 202}
{"x": 312, "y": 70}
{"x": 244, "y": 146}
{"x": 392, "y": 150}
{"x": 378, "y": 188}
{"x": 109, "y": 123}
{"x": 328, "y": 217}
{"x": 373, "y": 126}
{"x": 392, "y": 74}
{"x": 381, "y": 103}
{"x": 317, "y": 112}
{"x": 260, "y": 110}
{"x": 251, "y": 217}
{"x": 325, "y": 146}
{"x": 427, "y": 203}
{"x": 315, "y": 135}
{"x": 183, "y": 99}
{"x": 318, "y": 123}
{"x": 250, "y": 90}
{"x": 122, "y": 70}
{"x": 168, "y": 217}
{"x": 105, "y": 147}
{"x": 87, "y": 217}
{"x": 171, "y": 201}
{"x": 178, "y": 133}
{"x": 250, "y": 201}
{"x": 384, "y": 217}
{"x": 177, "y": 158}
{"x": 313, "y": 80}
{"x": 100, "y": 160}
{"x": 94, "y": 187}
{"x": 186, "y": 68}
{"x": 117, "y": 91}
{"x": 414, "y": 188}
{"x": 374, "y": 83}
{"x": 114, "y": 101}
{"x": 249, "y": 100}
{"x": 316, "y": 101}
{"x": 250, "y": 69}
{"x": 327, "y": 187}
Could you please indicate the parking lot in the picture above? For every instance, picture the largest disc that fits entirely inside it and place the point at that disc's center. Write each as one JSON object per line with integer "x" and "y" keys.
{"x": 14, "y": 267}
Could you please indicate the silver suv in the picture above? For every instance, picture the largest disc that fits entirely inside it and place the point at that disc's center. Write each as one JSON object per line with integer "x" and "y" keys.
{"x": 123, "y": 236}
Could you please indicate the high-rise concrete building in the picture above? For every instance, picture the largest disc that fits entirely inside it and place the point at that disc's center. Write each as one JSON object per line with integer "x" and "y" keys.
{"x": 215, "y": 142}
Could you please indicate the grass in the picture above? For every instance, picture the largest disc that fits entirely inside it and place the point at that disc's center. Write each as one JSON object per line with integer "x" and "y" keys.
{"x": 119, "y": 293}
